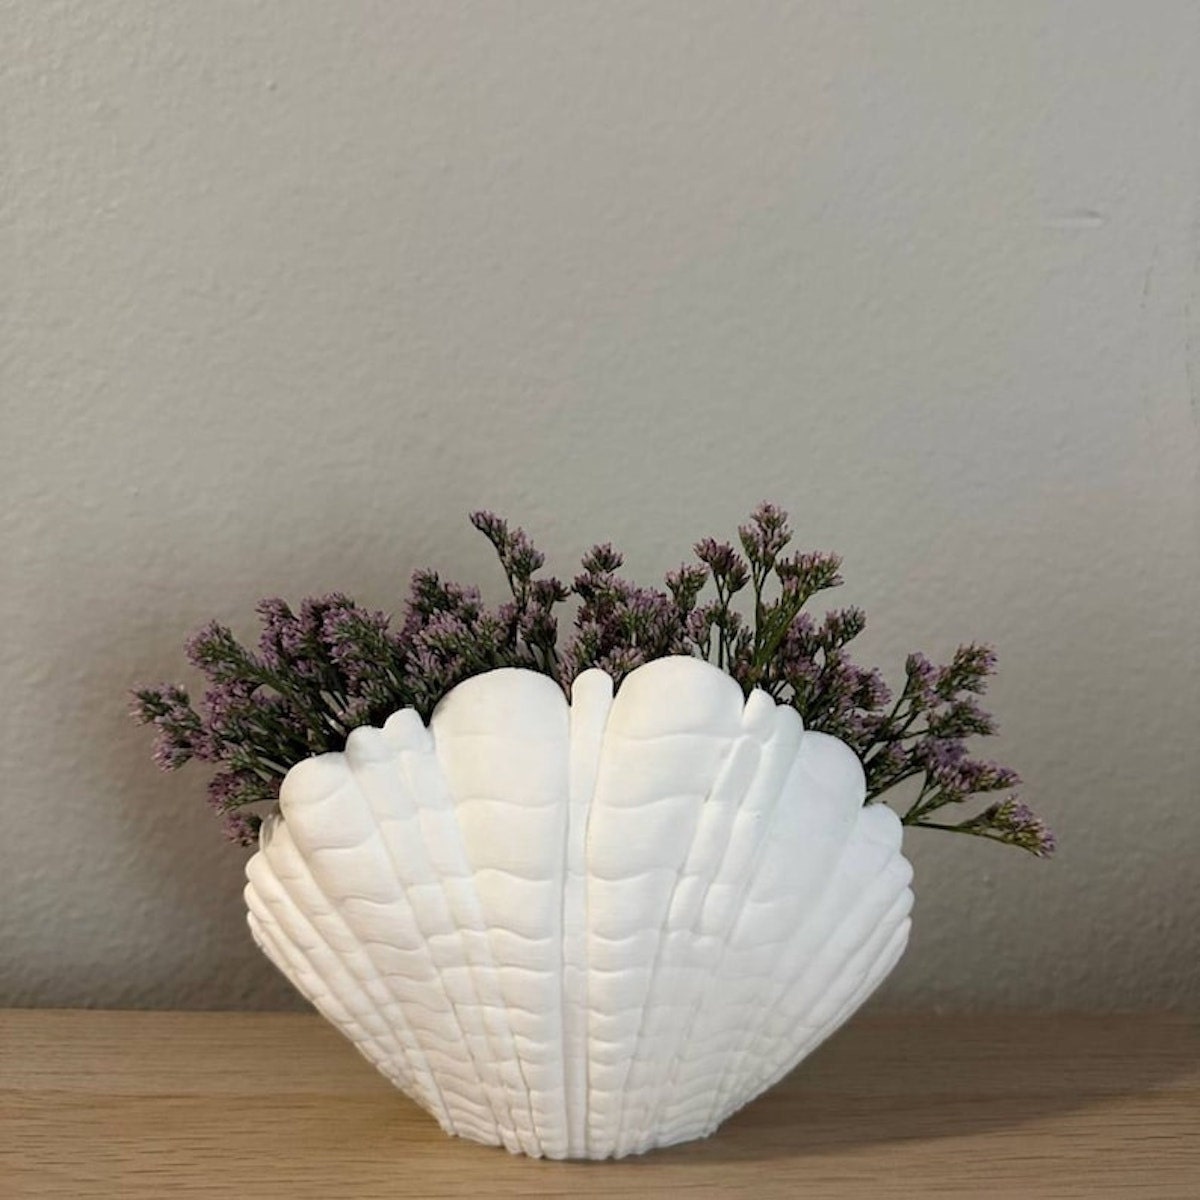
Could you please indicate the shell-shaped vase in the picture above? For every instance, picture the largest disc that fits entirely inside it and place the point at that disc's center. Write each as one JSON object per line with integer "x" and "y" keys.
{"x": 584, "y": 929}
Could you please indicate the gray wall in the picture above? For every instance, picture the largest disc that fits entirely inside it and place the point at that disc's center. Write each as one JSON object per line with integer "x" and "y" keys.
{"x": 291, "y": 287}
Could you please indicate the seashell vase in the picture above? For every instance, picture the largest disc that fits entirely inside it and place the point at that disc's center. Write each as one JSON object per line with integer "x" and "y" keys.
{"x": 584, "y": 929}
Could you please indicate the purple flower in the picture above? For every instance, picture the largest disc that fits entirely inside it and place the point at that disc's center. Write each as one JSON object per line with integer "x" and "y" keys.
{"x": 356, "y": 712}
{"x": 538, "y": 627}
{"x": 170, "y": 753}
{"x": 1015, "y": 823}
{"x": 804, "y": 575}
{"x": 841, "y": 626}
{"x": 685, "y": 584}
{"x": 224, "y": 791}
{"x": 765, "y": 535}
{"x": 242, "y": 828}
{"x": 332, "y": 665}
{"x": 429, "y": 595}
{"x": 179, "y": 735}
{"x": 943, "y": 755}
{"x": 228, "y": 790}
{"x": 214, "y": 650}
{"x": 280, "y": 638}
{"x": 358, "y": 642}
{"x": 890, "y": 760}
{"x": 225, "y": 701}
{"x": 922, "y": 678}
{"x": 494, "y": 528}
{"x": 517, "y": 554}
{"x": 729, "y": 572}
{"x": 444, "y": 631}
{"x": 978, "y": 776}
{"x": 620, "y": 661}
{"x": 962, "y": 717}
{"x": 602, "y": 560}
{"x": 549, "y": 591}
{"x": 967, "y": 671}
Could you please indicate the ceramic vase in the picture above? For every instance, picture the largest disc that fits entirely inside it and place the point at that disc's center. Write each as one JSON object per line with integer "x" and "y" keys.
{"x": 584, "y": 928}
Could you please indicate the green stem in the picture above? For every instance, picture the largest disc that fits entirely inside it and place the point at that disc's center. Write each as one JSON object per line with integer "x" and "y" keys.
{"x": 980, "y": 831}
{"x": 881, "y": 741}
{"x": 917, "y": 809}
{"x": 874, "y": 792}
{"x": 723, "y": 602}
{"x": 758, "y": 576}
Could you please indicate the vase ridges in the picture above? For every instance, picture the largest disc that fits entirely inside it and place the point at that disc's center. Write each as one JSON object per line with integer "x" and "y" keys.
{"x": 889, "y": 955}
{"x": 333, "y": 823}
{"x": 300, "y": 910}
{"x": 377, "y": 763}
{"x": 502, "y": 743}
{"x": 812, "y": 829}
{"x": 466, "y": 960}
{"x": 649, "y": 1053}
{"x": 821, "y": 964}
{"x": 410, "y": 804}
{"x": 584, "y": 927}
{"x": 743, "y": 774}
{"x": 704, "y": 1054}
{"x": 647, "y": 803}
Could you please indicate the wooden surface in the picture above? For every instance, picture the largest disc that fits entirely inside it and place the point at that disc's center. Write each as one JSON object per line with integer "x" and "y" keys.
{"x": 129, "y": 1105}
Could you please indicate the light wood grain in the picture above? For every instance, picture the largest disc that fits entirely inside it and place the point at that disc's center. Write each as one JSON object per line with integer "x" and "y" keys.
{"x": 129, "y": 1105}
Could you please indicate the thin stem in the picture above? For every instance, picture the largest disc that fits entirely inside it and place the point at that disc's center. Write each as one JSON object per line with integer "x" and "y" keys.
{"x": 723, "y": 602}
{"x": 880, "y": 741}
{"x": 758, "y": 576}
{"x": 980, "y": 831}
{"x": 916, "y": 809}
{"x": 886, "y": 786}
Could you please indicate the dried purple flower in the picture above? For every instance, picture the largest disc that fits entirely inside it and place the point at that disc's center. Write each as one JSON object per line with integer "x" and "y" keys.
{"x": 685, "y": 583}
{"x": 242, "y": 828}
{"x": 602, "y": 559}
{"x": 228, "y": 790}
{"x": 280, "y": 639}
{"x": 179, "y": 731}
{"x": 332, "y": 665}
{"x": 1014, "y": 823}
{"x": 809, "y": 573}
{"x": 765, "y": 535}
{"x": 215, "y": 651}
{"x": 729, "y": 572}
{"x": 517, "y": 554}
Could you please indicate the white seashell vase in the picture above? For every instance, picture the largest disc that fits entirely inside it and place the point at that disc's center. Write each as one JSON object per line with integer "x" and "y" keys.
{"x": 584, "y": 930}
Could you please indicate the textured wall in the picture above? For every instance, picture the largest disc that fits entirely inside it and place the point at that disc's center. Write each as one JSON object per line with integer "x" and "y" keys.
{"x": 290, "y": 287}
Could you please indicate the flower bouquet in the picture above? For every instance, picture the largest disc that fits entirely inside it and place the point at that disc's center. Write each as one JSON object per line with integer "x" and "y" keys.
{"x": 585, "y": 896}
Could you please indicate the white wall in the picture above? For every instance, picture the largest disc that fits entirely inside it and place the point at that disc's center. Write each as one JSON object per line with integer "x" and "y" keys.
{"x": 290, "y": 287}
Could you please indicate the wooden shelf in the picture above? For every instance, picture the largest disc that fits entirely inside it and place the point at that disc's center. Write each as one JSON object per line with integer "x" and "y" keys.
{"x": 125, "y": 1105}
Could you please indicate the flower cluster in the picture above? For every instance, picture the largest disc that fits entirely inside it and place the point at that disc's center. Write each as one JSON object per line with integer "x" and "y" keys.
{"x": 319, "y": 672}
